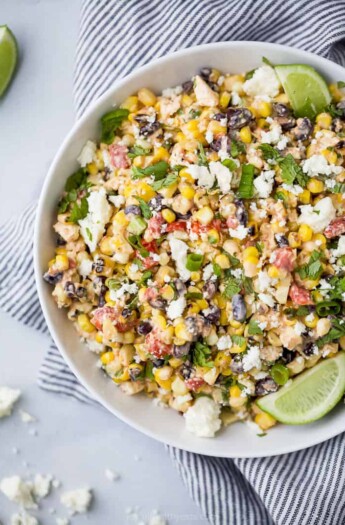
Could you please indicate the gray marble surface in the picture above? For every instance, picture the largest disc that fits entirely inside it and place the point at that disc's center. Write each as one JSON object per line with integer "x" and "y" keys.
{"x": 74, "y": 442}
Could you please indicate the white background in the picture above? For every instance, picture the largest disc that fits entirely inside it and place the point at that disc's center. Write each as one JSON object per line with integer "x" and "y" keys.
{"x": 74, "y": 442}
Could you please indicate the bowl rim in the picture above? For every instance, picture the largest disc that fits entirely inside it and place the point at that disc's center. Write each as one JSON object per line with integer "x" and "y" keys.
{"x": 41, "y": 208}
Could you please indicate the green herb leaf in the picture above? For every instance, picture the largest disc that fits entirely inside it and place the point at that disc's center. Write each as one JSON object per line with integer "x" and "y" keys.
{"x": 232, "y": 287}
{"x": 301, "y": 311}
{"x": 165, "y": 183}
{"x": 336, "y": 332}
{"x": 233, "y": 260}
{"x": 340, "y": 84}
{"x": 291, "y": 171}
{"x": 135, "y": 241}
{"x": 138, "y": 151}
{"x": 334, "y": 111}
{"x": 338, "y": 287}
{"x": 201, "y": 155}
{"x": 145, "y": 208}
{"x": 246, "y": 187}
{"x": 313, "y": 269}
{"x": 158, "y": 171}
{"x": 194, "y": 113}
{"x": 79, "y": 211}
{"x": 217, "y": 270}
{"x": 193, "y": 295}
{"x": 254, "y": 328}
{"x": 269, "y": 152}
{"x": 148, "y": 370}
{"x": 237, "y": 147}
{"x": 76, "y": 180}
{"x": 248, "y": 285}
{"x": 110, "y": 122}
{"x": 238, "y": 340}
{"x": 201, "y": 354}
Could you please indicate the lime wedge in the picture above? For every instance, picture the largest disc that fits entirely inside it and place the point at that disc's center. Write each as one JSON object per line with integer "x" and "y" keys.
{"x": 310, "y": 396}
{"x": 305, "y": 87}
{"x": 8, "y": 57}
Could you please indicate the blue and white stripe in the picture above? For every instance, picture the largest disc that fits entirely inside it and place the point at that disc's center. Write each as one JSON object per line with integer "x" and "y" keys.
{"x": 115, "y": 37}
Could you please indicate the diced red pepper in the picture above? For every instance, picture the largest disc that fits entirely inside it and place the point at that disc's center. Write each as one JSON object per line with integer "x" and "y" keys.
{"x": 335, "y": 228}
{"x": 118, "y": 155}
{"x": 284, "y": 258}
{"x": 155, "y": 346}
{"x": 194, "y": 383}
{"x": 300, "y": 295}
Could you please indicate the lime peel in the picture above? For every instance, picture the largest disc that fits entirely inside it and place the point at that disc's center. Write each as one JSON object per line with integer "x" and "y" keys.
{"x": 310, "y": 396}
{"x": 8, "y": 57}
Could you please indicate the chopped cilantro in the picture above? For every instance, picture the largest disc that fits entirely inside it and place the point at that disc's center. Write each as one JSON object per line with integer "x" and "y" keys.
{"x": 145, "y": 208}
{"x": 254, "y": 328}
{"x": 313, "y": 269}
{"x": 158, "y": 171}
{"x": 201, "y": 354}
{"x": 79, "y": 211}
{"x": 138, "y": 151}
{"x": 232, "y": 287}
{"x": 110, "y": 122}
{"x": 165, "y": 183}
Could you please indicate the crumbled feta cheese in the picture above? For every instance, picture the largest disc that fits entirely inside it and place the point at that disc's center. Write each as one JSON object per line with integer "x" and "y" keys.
{"x": 133, "y": 268}
{"x": 224, "y": 342}
{"x": 251, "y": 359}
{"x": 205, "y": 96}
{"x": 253, "y": 426}
{"x": 262, "y": 325}
{"x": 202, "y": 175}
{"x": 179, "y": 251}
{"x": 274, "y": 135}
{"x": 318, "y": 165}
{"x": 157, "y": 519}
{"x": 264, "y": 281}
{"x": 340, "y": 250}
{"x": 330, "y": 183}
{"x": 8, "y": 397}
{"x": 223, "y": 151}
{"x": 299, "y": 328}
{"x": 77, "y": 501}
{"x": 202, "y": 419}
{"x": 209, "y": 136}
{"x": 263, "y": 82}
{"x": 171, "y": 92}
{"x": 239, "y": 233}
{"x": 94, "y": 346}
{"x": 92, "y": 227}
{"x": 295, "y": 189}
{"x": 23, "y": 518}
{"x": 263, "y": 184}
{"x": 236, "y": 99}
{"x": 87, "y": 154}
{"x": 111, "y": 475}
{"x": 117, "y": 200}
{"x": 176, "y": 308}
{"x": 18, "y": 491}
{"x": 85, "y": 267}
{"x": 125, "y": 288}
{"x": 238, "y": 272}
{"x": 222, "y": 174}
{"x": 26, "y": 417}
{"x": 283, "y": 142}
{"x": 319, "y": 216}
{"x": 62, "y": 521}
{"x": 41, "y": 486}
{"x": 208, "y": 273}
{"x": 267, "y": 299}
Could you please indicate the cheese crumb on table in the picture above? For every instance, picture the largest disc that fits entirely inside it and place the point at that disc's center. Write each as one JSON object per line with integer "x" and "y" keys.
{"x": 18, "y": 491}
{"x": 23, "y": 519}
{"x": 77, "y": 501}
{"x": 8, "y": 397}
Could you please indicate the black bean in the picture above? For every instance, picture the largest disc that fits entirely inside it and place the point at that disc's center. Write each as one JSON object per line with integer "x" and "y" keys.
{"x": 156, "y": 202}
{"x": 126, "y": 312}
{"x": 205, "y": 72}
{"x": 236, "y": 366}
{"x": 209, "y": 289}
{"x": 52, "y": 279}
{"x": 251, "y": 230}
{"x": 133, "y": 209}
{"x": 144, "y": 328}
{"x": 135, "y": 372}
{"x": 239, "y": 310}
{"x": 159, "y": 303}
{"x": 196, "y": 325}
{"x": 69, "y": 289}
{"x": 281, "y": 110}
{"x": 216, "y": 144}
{"x": 238, "y": 117}
{"x": 281, "y": 240}
{"x": 80, "y": 291}
{"x": 186, "y": 370}
{"x": 158, "y": 363}
{"x": 309, "y": 349}
{"x": 98, "y": 285}
{"x": 219, "y": 116}
{"x": 303, "y": 129}
{"x": 288, "y": 356}
{"x": 286, "y": 123}
{"x": 183, "y": 216}
{"x": 212, "y": 314}
{"x": 59, "y": 240}
{"x": 241, "y": 213}
{"x": 187, "y": 86}
{"x": 142, "y": 118}
{"x": 265, "y": 386}
{"x": 181, "y": 350}
{"x": 149, "y": 128}
{"x": 340, "y": 144}
{"x": 180, "y": 286}
{"x": 214, "y": 86}
{"x": 98, "y": 265}
{"x": 101, "y": 300}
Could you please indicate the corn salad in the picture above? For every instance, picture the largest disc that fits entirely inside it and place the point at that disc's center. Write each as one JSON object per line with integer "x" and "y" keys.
{"x": 201, "y": 245}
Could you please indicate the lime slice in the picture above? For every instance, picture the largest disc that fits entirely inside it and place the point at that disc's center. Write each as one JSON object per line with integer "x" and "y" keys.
{"x": 305, "y": 87}
{"x": 310, "y": 396}
{"x": 8, "y": 57}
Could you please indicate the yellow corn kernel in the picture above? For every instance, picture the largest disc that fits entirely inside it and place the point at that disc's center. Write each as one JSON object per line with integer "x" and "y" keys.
{"x": 320, "y": 239}
{"x": 186, "y": 100}
{"x": 163, "y": 376}
{"x": 161, "y": 154}
{"x": 336, "y": 93}
{"x": 184, "y": 174}
{"x": 128, "y": 338}
{"x": 311, "y": 320}
{"x": 265, "y": 421}
{"x": 178, "y": 386}
{"x": 107, "y": 358}
{"x": 331, "y": 156}
{"x": 223, "y": 261}
{"x": 168, "y": 293}
{"x": 282, "y": 98}
{"x": 305, "y": 233}
{"x": 304, "y": 197}
{"x": 122, "y": 376}
{"x": 92, "y": 168}
{"x": 251, "y": 259}
{"x": 180, "y": 137}
{"x": 224, "y": 99}
{"x": 131, "y": 103}
{"x": 187, "y": 191}
{"x": 262, "y": 123}
{"x": 238, "y": 349}
{"x": 235, "y": 391}
{"x": 160, "y": 321}
{"x": 202, "y": 303}
{"x": 168, "y": 215}
{"x": 175, "y": 362}
{"x": 61, "y": 263}
{"x": 85, "y": 324}
{"x": 204, "y": 215}
{"x": 182, "y": 333}
{"x": 250, "y": 266}
{"x": 315, "y": 186}
{"x": 234, "y": 323}
{"x": 324, "y": 120}
{"x": 223, "y": 320}
{"x": 264, "y": 109}
{"x": 144, "y": 190}
{"x": 294, "y": 240}
{"x": 147, "y": 97}
{"x": 195, "y": 276}
{"x": 108, "y": 299}
{"x": 250, "y": 251}
{"x": 222, "y": 360}
{"x": 317, "y": 296}
{"x": 273, "y": 338}
{"x": 273, "y": 272}
{"x": 99, "y": 337}
{"x": 342, "y": 342}
{"x": 216, "y": 128}
{"x": 192, "y": 125}
{"x": 246, "y": 135}
{"x": 237, "y": 331}
{"x": 193, "y": 309}
{"x": 138, "y": 162}
{"x": 310, "y": 284}
{"x": 213, "y": 236}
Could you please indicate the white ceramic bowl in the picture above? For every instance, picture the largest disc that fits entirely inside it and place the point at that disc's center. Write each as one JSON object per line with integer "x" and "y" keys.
{"x": 165, "y": 425}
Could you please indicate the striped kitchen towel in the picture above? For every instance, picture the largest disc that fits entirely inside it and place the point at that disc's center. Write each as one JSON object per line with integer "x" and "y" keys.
{"x": 115, "y": 36}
